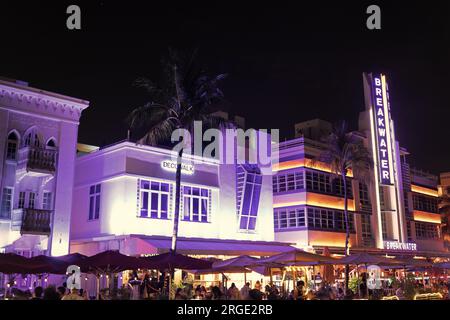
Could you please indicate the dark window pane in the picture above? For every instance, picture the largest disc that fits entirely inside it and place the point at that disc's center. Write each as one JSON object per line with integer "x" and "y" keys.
{"x": 244, "y": 221}
{"x": 195, "y": 205}
{"x": 91, "y": 208}
{"x": 255, "y": 200}
{"x": 154, "y": 201}
{"x": 164, "y": 202}
{"x": 97, "y": 207}
{"x": 252, "y": 223}
{"x": 155, "y": 185}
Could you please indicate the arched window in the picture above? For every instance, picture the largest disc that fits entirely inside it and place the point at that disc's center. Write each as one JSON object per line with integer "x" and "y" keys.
{"x": 51, "y": 143}
{"x": 11, "y": 151}
{"x": 32, "y": 138}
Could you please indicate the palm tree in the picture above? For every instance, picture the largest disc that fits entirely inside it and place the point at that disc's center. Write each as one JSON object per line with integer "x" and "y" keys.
{"x": 344, "y": 151}
{"x": 184, "y": 94}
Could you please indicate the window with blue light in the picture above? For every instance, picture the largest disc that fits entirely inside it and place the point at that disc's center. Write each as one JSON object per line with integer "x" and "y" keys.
{"x": 249, "y": 180}
{"x": 94, "y": 201}
{"x": 195, "y": 204}
{"x": 154, "y": 197}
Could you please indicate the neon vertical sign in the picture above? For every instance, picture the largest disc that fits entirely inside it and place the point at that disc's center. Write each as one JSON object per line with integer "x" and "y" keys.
{"x": 382, "y": 129}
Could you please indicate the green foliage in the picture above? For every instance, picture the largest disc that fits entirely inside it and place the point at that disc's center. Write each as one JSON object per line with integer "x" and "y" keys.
{"x": 409, "y": 288}
{"x": 354, "y": 283}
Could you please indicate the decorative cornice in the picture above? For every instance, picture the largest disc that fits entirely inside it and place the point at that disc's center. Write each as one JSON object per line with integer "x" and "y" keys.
{"x": 22, "y": 98}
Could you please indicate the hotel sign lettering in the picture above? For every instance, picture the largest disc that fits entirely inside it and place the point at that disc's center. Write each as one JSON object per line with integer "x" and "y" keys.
{"x": 172, "y": 166}
{"x": 404, "y": 246}
{"x": 382, "y": 129}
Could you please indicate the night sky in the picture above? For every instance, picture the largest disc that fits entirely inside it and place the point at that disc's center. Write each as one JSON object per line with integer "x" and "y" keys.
{"x": 286, "y": 63}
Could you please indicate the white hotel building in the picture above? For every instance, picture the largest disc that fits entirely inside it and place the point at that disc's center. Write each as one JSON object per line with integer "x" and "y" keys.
{"x": 38, "y": 136}
{"x": 124, "y": 200}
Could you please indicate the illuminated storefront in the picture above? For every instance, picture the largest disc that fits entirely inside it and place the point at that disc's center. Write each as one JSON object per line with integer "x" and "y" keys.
{"x": 396, "y": 211}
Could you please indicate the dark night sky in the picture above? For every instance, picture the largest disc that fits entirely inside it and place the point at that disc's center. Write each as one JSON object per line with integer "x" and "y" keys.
{"x": 286, "y": 63}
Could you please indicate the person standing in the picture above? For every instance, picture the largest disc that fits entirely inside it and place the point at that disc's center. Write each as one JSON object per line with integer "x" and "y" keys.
{"x": 245, "y": 291}
{"x": 74, "y": 295}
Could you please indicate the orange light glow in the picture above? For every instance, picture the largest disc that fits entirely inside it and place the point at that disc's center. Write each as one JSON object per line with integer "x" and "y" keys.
{"x": 328, "y": 239}
{"x": 426, "y": 217}
{"x": 318, "y": 200}
{"x": 305, "y": 163}
{"x": 425, "y": 191}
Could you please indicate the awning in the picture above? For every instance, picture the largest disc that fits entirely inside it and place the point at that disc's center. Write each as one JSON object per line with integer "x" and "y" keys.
{"x": 200, "y": 246}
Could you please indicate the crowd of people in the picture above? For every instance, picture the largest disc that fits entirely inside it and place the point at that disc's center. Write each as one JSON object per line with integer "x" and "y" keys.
{"x": 49, "y": 293}
{"x": 152, "y": 287}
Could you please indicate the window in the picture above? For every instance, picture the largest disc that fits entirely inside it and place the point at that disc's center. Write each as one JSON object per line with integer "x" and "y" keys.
{"x": 154, "y": 199}
{"x": 328, "y": 219}
{"x": 51, "y": 143}
{"x": 426, "y": 230}
{"x": 6, "y": 202}
{"x": 288, "y": 182}
{"x": 289, "y": 218}
{"x": 365, "y": 226}
{"x": 47, "y": 201}
{"x": 31, "y": 200}
{"x": 338, "y": 187}
{"x": 11, "y": 148}
{"x": 195, "y": 204}
{"x": 21, "y": 203}
{"x": 250, "y": 197}
{"x": 94, "y": 201}
{"x": 364, "y": 198}
{"x": 424, "y": 203}
{"x": 317, "y": 181}
{"x": 32, "y": 139}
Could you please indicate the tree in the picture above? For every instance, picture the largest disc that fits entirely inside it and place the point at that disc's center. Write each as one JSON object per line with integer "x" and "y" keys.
{"x": 345, "y": 152}
{"x": 184, "y": 94}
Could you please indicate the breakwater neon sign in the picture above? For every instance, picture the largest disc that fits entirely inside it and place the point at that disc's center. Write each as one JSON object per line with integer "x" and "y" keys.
{"x": 382, "y": 128}
{"x": 403, "y": 246}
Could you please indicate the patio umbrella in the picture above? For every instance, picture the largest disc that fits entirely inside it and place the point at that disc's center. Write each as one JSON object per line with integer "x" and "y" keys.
{"x": 13, "y": 263}
{"x": 110, "y": 262}
{"x": 55, "y": 265}
{"x": 238, "y": 264}
{"x": 410, "y": 263}
{"x": 367, "y": 259}
{"x": 442, "y": 265}
{"x": 172, "y": 261}
{"x": 45, "y": 264}
{"x": 73, "y": 258}
{"x": 297, "y": 257}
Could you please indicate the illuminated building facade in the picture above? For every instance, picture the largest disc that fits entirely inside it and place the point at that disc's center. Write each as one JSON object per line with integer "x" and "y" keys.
{"x": 38, "y": 131}
{"x": 444, "y": 206}
{"x": 395, "y": 211}
{"x": 124, "y": 199}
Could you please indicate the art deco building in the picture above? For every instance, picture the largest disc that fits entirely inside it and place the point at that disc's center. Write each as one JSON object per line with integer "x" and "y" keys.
{"x": 396, "y": 211}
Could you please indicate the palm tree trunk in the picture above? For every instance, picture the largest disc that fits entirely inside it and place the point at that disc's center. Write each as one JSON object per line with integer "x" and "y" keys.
{"x": 176, "y": 218}
{"x": 347, "y": 227}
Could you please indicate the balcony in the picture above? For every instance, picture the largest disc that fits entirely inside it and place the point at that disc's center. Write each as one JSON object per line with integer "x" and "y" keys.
{"x": 36, "y": 160}
{"x": 31, "y": 221}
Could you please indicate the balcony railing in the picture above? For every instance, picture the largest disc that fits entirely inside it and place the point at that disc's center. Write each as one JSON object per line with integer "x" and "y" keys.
{"x": 31, "y": 221}
{"x": 38, "y": 159}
